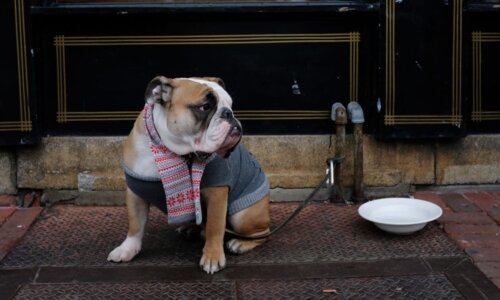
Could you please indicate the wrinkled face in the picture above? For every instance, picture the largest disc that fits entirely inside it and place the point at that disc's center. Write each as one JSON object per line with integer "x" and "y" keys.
{"x": 193, "y": 115}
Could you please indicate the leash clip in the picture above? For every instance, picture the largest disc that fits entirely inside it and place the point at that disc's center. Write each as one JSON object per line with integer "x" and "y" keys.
{"x": 330, "y": 169}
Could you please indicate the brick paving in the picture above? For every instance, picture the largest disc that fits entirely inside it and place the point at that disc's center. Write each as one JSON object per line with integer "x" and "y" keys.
{"x": 7, "y": 200}
{"x": 5, "y": 213}
{"x": 472, "y": 219}
{"x": 15, "y": 226}
{"x": 15, "y": 221}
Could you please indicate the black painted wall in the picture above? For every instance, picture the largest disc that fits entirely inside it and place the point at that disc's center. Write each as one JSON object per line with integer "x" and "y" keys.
{"x": 419, "y": 68}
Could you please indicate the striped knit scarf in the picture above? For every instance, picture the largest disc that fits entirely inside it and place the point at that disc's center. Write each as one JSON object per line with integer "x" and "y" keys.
{"x": 181, "y": 185}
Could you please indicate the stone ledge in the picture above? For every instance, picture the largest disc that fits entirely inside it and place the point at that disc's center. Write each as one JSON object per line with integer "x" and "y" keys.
{"x": 474, "y": 159}
{"x": 57, "y": 161}
{"x": 7, "y": 173}
{"x": 291, "y": 162}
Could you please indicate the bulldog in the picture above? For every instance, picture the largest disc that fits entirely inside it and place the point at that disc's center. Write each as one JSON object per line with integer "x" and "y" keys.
{"x": 183, "y": 156}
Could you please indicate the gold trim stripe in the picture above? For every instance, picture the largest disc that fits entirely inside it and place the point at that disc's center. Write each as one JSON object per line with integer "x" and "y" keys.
{"x": 61, "y": 79}
{"x": 82, "y": 116}
{"x": 206, "y": 39}
{"x": 282, "y": 114}
{"x": 15, "y": 126}
{"x": 24, "y": 124}
{"x": 422, "y": 119}
{"x": 476, "y": 76}
{"x": 456, "y": 83}
{"x": 61, "y": 42}
{"x": 486, "y": 36}
{"x": 353, "y": 65}
{"x": 390, "y": 57}
{"x": 478, "y": 38}
{"x": 22, "y": 63}
{"x": 211, "y": 36}
{"x": 486, "y": 115}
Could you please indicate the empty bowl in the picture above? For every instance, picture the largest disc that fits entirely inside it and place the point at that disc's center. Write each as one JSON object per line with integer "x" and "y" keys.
{"x": 400, "y": 215}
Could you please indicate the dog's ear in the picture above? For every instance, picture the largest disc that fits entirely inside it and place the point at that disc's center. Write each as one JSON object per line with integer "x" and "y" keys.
{"x": 216, "y": 80}
{"x": 159, "y": 90}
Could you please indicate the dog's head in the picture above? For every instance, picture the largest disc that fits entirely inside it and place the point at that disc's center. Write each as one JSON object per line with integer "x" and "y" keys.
{"x": 194, "y": 115}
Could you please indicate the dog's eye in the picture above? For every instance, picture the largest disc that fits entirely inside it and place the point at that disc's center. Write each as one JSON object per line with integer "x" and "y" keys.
{"x": 204, "y": 107}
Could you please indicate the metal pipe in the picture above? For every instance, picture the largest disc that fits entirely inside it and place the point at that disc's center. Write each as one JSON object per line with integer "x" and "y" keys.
{"x": 339, "y": 116}
{"x": 357, "y": 118}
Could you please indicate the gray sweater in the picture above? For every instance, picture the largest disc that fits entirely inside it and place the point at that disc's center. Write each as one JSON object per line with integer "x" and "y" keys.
{"x": 241, "y": 172}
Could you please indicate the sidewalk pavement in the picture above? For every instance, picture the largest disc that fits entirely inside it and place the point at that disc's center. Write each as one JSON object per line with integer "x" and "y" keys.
{"x": 326, "y": 252}
{"x": 472, "y": 219}
{"x": 14, "y": 222}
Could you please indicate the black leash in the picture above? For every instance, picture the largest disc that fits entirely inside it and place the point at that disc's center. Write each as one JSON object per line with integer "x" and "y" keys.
{"x": 292, "y": 215}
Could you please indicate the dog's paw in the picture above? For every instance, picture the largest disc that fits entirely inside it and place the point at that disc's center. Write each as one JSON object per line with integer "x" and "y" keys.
{"x": 126, "y": 251}
{"x": 213, "y": 259}
{"x": 238, "y": 246}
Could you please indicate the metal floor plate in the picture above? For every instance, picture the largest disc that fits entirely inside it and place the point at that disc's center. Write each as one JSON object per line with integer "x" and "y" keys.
{"x": 83, "y": 236}
{"x": 407, "y": 287}
{"x": 121, "y": 291}
{"x": 326, "y": 247}
{"x": 412, "y": 287}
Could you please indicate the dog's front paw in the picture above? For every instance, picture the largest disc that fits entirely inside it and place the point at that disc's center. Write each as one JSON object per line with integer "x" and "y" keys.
{"x": 213, "y": 259}
{"x": 126, "y": 251}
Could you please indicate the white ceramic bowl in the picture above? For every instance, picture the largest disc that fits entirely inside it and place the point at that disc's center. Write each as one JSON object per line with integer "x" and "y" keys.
{"x": 400, "y": 215}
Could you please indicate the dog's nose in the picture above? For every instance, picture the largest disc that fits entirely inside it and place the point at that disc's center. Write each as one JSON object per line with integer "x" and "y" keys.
{"x": 226, "y": 113}
{"x": 237, "y": 128}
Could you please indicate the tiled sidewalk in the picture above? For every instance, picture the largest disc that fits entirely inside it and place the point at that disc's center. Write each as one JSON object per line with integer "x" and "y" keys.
{"x": 472, "y": 219}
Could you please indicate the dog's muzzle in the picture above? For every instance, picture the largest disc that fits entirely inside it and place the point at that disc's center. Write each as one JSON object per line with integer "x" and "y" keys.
{"x": 233, "y": 137}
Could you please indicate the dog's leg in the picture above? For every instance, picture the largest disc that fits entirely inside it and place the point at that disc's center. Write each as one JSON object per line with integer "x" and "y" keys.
{"x": 252, "y": 221}
{"x": 213, "y": 258}
{"x": 137, "y": 217}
